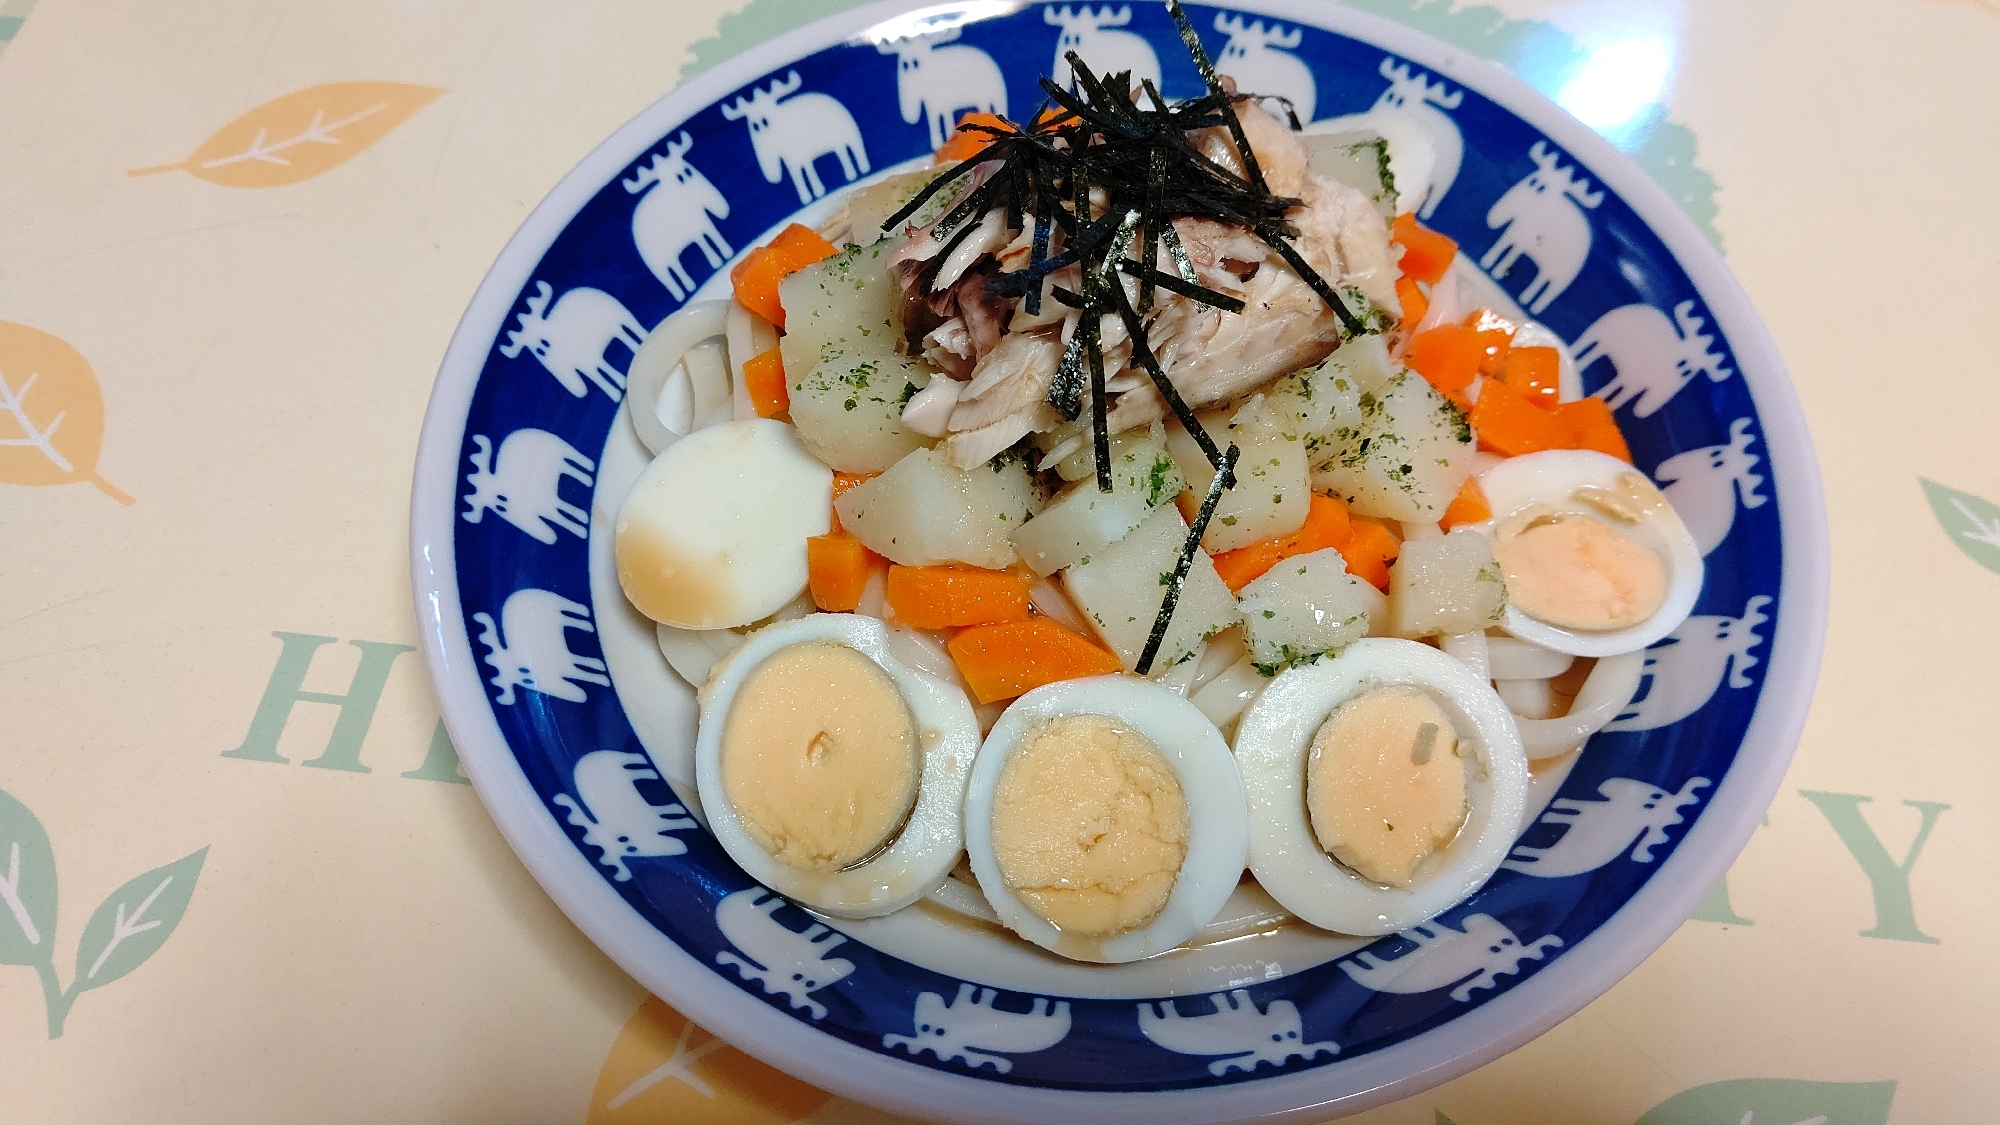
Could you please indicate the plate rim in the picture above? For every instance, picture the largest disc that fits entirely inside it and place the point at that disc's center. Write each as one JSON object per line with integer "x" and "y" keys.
{"x": 1501, "y": 1024}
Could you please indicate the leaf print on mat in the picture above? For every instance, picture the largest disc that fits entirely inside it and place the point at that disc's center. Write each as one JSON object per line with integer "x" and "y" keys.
{"x": 134, "y": 922}
{"x": 51, "y": 412}
{"x": 27, "y": 887}
{"x": 301, "y": 134}
{"x": 664, "y": 1067}
{"x": 1972, "y": 523}
{"x": 1776, "y": 1101}
{"x": 122, "y": 933}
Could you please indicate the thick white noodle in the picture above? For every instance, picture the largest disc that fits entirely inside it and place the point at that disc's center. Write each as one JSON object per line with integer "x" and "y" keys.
{"x": 1052, "y": 601}
{"x": 1605, "y": 692}
{"x": 1470, "y": 650}
{"x": 925, "y": 653}
{"x": 691, "y": 652}
{"x": 1179, "y": 679}
{"x": 1527, "y": 699}
{"x": 1515, "y": 659}
{"x": 1220, "y": 654}
{"x": 700, "y": 392}
{"x": 1227, "y": 695}
{"x": 749, "y": 335}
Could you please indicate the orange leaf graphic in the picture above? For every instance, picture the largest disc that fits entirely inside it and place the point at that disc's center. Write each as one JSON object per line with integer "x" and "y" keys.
{"x": 664, "y": 1068}
{"x": 303, "y": 133}
{"x": 51, "y": 412}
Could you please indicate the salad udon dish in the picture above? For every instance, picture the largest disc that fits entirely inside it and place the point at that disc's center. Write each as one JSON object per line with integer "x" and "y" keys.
{"x": 1007, "y": 622}
{"x": 1132, "y": 495}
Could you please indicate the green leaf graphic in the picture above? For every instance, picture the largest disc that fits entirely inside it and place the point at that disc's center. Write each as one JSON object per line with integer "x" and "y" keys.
{"x": 1776, "y": 1101}
{"x": 27, "y": 887}
{"x": 1973, "y": 524}
{"x": 134, "y": 922}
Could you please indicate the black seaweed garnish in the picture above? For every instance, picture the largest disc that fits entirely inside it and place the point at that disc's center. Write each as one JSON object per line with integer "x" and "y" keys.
{"x": 1225, "y": 470}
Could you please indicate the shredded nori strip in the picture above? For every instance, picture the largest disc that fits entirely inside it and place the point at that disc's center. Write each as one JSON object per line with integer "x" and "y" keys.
{"x": 1100, "y": 434}
{"x": 1227, "y": 469}
{"x": 1192, "y": 290}
{"x": 1142, "y": 353}
{"x": 1312, "y": 278}
{"x": 1208, "y": 75}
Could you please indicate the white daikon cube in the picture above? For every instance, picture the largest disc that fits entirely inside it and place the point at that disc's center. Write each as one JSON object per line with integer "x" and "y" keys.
{"x": 1271, "y": 494}
{"x": 1120, "y": 589}
{"x": 848, "y": 385}
{"x": 1411, "y": 456}
{"x": 1082, "y": 520}
{"x": 923, "y": 512}
{"x": 1445, "y": 585}
{"x": 1304, "y": 607}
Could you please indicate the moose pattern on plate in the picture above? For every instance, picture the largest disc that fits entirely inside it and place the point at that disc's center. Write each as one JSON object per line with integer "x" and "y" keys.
{"x": 971, "y": 1029}
{"x": 1236, "y": 1030}
{"x": 1541, "y": 222}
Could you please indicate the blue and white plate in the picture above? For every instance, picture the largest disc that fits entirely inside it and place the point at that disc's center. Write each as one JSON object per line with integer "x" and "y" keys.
{"x": 579, "y": 738}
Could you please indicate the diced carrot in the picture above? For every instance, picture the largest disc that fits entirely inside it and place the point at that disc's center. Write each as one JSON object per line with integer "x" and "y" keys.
{"x": 756, "y": 277}
{"x": 841, "y": 483}
{"x": 1496, "y": 335}
{"x": 1368, "y": 552}
{"x": 764, "y": 379}
{"x": 1507, "y": 423}
{"x": 1535, "y": 374}
{"x": 946, "y": 597}
{"x": 966, "y": 143}
{"x": 1005, "y": 660}
{"x": 1413, "y": 301}
{"x": 844, "y": 481}
{"x": 1326, "y": 526}
{"x": 837, "y": 569}
{"x": 1426, "y": 253}
{"x": 1448, "y": 356}
{"x": 1589, "y": 425}
{"x": 1469, "y": 506}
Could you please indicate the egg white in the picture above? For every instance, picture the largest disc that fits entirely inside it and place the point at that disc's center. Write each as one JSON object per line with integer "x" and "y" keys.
{"x": 1552, "y": 477}
{"x": 733, "y": 505}
{"x": 1217, "y": 830}
{"x": 1274, "y": 738}
{"x": 930, "y": 841}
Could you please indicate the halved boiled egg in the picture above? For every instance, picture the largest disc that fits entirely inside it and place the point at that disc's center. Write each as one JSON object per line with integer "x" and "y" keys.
{"x": 1594, "y": 558}
{"x": 1104, "y": 819}
{"x": 1384, "y": 786}
{"x": 831, "y": 771}
{"x": 713, "y": 535}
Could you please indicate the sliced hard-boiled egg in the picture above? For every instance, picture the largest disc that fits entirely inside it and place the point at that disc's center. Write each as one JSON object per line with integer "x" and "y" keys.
{"x": 1595, "y": 560}
{"x": 1384, "y": 786}
{"x": 714, "y": 533}
{"x": 1104, "y": 819}
{"x": 831, "y": 771}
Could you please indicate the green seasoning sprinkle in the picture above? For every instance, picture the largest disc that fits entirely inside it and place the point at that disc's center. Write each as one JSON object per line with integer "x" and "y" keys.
{"x": 1226, "y": 473}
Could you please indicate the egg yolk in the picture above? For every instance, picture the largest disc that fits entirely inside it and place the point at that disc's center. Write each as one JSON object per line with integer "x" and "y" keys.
{"x": 1576, "y": 572}
{"x": 819, "y": 758}
{"x": 1090, "y": 826}
{"x": 1385, "y": 785}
